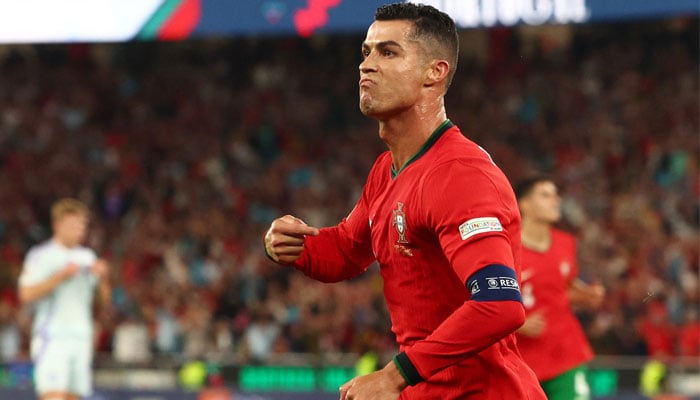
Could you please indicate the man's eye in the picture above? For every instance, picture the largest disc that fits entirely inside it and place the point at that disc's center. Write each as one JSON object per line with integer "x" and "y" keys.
{"x": 388, "y": 53}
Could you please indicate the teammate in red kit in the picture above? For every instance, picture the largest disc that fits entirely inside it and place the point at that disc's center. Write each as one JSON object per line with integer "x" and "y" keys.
{"x": 439, "y": 217}
{"x": 552, "y": 341}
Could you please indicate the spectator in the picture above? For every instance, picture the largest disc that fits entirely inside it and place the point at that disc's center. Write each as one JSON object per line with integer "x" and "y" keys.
{"x": 261, "y": 335}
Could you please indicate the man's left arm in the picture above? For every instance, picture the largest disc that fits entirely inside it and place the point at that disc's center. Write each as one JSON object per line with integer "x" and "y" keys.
{"x": 494, "y": 311}
{"x": 584, "y": 295}
{"x": 452, "y": 342}
{"x": 100, "y": 269}
{"x": 474, "y": 326}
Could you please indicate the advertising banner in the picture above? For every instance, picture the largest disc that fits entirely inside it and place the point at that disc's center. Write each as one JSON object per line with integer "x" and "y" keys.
{"x": 42, "y": 21}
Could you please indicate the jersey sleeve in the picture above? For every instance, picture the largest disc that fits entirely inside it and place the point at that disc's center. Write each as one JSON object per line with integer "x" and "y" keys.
{"x": 472, "y": 214}
{"x": 34, "y": 269}
{"x": 574, "y": 258}
{"x": 345, "y": 250}
{"x": 469, "y": 330}
{"x": 339, "y": 252}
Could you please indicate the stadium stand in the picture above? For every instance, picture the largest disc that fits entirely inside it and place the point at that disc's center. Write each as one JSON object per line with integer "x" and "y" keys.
{"x": 186, "y": 151}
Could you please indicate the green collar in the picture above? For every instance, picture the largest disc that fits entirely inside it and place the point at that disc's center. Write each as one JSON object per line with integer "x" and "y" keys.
{"x": 437, "y": 133}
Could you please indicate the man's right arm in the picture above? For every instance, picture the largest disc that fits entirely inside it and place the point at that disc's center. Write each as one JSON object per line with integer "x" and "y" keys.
{"x": 334, "y": 256}
{"x": 327, "y": 255}
{"x": 29, "y": 293}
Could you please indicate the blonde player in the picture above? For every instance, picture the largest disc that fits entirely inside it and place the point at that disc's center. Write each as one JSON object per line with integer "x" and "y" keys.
{"x": 59, "y": 279}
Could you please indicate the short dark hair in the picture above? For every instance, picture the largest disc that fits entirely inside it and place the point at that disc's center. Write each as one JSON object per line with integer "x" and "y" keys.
{"x": 525, "y": 186}
{"x": 429, "y": 23}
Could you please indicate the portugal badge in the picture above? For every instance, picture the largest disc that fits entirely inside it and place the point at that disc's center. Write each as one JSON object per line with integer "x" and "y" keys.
{"x": 400, "y": 223}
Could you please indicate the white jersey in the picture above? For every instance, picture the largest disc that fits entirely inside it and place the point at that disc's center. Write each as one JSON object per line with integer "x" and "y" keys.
{"x": 67, "y": 310}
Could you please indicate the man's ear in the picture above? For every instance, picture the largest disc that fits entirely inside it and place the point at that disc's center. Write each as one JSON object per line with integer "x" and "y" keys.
{"x": 437, "y": 72}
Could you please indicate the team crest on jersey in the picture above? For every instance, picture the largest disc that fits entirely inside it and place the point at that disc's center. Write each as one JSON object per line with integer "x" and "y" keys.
{"x": 400, "y": 223}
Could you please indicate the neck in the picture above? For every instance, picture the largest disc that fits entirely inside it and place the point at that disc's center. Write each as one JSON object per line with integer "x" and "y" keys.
{"x": 63, "y": 242}
{"x": 406, "y": 133}
{"x": 536, "y": 235}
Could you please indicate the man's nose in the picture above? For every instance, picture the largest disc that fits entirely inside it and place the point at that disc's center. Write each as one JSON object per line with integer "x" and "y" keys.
{"x": 367, "y": 65}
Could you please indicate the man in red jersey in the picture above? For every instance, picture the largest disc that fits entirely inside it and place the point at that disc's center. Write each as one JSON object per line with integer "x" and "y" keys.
{"x": 439, "y": 217}
{"x": 551, "y": 341}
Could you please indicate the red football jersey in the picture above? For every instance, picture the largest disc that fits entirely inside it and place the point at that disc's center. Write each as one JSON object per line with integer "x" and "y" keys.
{"x": 545, "y": 280}
{"x": 448, "y": 213}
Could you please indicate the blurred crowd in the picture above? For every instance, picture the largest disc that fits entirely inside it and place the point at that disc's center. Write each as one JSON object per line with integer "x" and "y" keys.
{"x": 185, "y": 152}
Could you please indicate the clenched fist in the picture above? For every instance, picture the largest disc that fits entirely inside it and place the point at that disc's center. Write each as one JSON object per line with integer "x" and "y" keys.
{"x": 284, "y": 241}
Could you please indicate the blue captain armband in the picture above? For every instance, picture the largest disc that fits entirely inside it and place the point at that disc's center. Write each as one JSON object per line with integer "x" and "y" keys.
{"x": 494, "y": 282}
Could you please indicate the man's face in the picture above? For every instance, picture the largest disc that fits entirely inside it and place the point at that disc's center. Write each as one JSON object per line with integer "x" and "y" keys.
{"x": 543, "y": 203}
{"x": 393, "y": 69}
{"x": 70, "y": 229}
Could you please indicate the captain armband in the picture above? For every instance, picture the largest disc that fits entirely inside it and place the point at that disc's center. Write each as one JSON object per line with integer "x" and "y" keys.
{"x": 494, "y": 282}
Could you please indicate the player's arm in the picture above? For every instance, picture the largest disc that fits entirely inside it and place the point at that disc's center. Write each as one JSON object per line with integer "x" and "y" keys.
{"x": 473, "y": 327}
{"x": 584, "y": 295}
{"x": 535, "y": 322}
{"x": 30, "y": 291}
{"x": 494, "y": 311}
{"x": 328, "y": 254}
{"x": 284, "y": 241}
{"x": 100, "y": 268}
{"x": 478, "y": 323}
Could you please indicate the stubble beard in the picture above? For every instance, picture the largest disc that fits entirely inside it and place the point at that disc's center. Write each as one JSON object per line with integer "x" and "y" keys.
{"x": 366, "y": 106}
